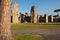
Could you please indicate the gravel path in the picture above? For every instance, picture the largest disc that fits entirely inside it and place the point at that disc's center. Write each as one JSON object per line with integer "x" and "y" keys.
{"x": 47, "y": 34}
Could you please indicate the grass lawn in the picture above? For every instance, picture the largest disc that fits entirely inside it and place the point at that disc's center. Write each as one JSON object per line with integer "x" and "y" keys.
{"x": 30, "y": 36}
{"x": 41, "y": 25}
{"x": 27, "y": 37}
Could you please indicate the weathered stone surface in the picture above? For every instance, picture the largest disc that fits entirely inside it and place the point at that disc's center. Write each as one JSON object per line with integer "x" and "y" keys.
{"x": 51, "y": 18}
{"x": 5, "y": 10}
{"x": 38, "y": 18}
{"x": 15, "y": 13}
{"x": 46, "y": 18}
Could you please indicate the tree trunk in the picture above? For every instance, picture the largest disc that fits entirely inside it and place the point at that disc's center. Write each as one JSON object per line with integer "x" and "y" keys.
{"x": 5, "y": 10}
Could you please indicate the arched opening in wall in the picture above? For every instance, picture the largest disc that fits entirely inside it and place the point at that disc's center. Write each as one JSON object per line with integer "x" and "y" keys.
{"x": 11, "y": 17}
{"x": 28, "y": 19}
{"x": 22, "y": 18}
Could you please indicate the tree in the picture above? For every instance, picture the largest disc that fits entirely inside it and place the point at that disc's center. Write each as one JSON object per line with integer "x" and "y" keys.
{"x": 57, "y": 10}
{"x": 5, "y": 10}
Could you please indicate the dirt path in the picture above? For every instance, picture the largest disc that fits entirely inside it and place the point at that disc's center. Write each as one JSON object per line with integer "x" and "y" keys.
{"x": 47, "y": 34}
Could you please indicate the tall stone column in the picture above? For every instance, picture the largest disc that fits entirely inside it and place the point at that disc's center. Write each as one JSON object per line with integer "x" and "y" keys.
{"x": 5, "y": 10}
{"x": 19, "y": 17}
{"x": 15, "y": 13}
{"x": 46, "y": 18}
{"x": 33, "y": 15}
{"x": 38, "y": 18}
{"x": 51, "y": 18}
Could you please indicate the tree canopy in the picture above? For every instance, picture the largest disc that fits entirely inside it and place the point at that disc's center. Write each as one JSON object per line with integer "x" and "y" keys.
{"x": 57, "y": 10}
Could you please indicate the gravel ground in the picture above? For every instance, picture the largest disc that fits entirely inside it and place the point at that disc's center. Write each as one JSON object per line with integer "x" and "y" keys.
{"x": 46, "y": 34}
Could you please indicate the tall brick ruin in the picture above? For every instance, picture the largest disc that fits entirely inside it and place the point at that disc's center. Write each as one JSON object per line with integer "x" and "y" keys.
{"x": 5, "y": 10}
{"x": 51, "y": 18}
{"x": 46, "y": 18}
{"x": 15, "y": 13}
{"x": 33, "y": 15}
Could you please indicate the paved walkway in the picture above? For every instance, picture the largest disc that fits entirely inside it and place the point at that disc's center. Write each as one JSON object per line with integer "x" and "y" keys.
{"x": 47, "y": 34}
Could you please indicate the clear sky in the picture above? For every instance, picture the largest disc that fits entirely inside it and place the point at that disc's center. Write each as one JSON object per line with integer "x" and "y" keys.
{"x": 42, "y": 6}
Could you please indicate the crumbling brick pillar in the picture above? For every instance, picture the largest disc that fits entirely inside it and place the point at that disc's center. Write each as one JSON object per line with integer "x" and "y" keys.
{"x": 5, "y": 10}
{"x": 33, "y": 15}
{"x": 38, "y": 16}
{"x": 46, "y": 18}
{"x": 51, "y": 18}
{"x": 15, "y": 13}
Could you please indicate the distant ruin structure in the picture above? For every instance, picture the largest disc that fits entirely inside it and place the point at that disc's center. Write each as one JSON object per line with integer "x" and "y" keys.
{"x": 46, "y": 18}
{"x": 52, "y": 18}
{"x": 15, "y": 13}
{"x": 33, "y": 15}
{"x": 36, "y": 18}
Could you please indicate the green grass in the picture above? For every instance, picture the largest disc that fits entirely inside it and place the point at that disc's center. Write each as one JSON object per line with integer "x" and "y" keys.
{"x": 27, "y": 37}
{"x": 30, "y": 36}
{"x": 41, "y": 25}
